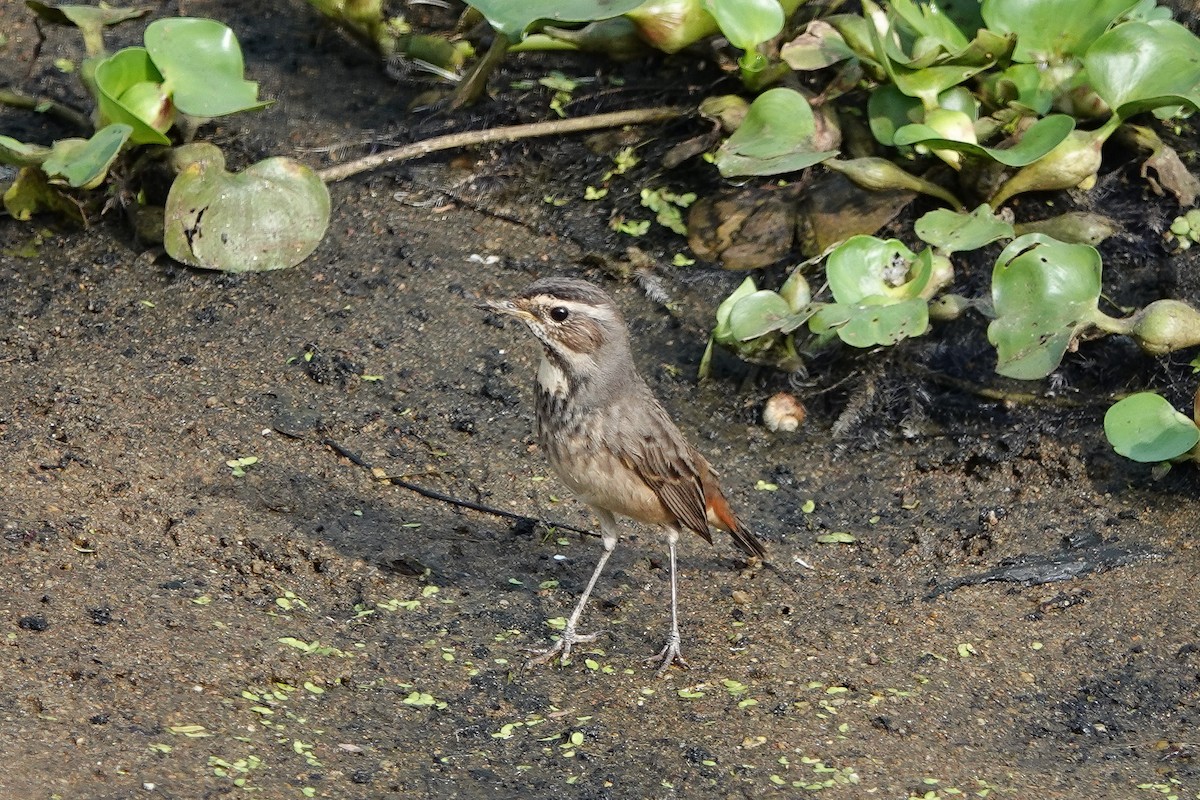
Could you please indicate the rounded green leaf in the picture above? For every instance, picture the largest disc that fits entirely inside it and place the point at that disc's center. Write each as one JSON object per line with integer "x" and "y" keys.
{"x": 864, "y": 267}
{"x": 1041, "y": 137}
{"x": 747, "y": 23}
{"x": 1044, "y": 292}
{"x": 886, "y": 325}
{"x": 1141, "y": 66}
{"x": 201, "y": 64}
{"x": 1022, "y": 85}
{"x": 1048, "y": 30}
{"x": 757, "y": 314}
{"x": 85, "y": 163}
{"x": 953, "y": 232}
{"x": 1145, "y": 427}
{"x": 818, "y": 47}
{"x": 721, "y": 331}
{"x": 872, "y": 324}
{"x": 115, "y": 76}
{"x": 776, "y": 136}
{"x": 269, "y": 217}
{"x": 888, "y": 110}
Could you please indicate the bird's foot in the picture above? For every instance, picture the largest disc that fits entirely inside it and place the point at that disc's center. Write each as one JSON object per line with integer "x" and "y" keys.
{"x": 667, "y": 656}
{"x": 562, "y": 648}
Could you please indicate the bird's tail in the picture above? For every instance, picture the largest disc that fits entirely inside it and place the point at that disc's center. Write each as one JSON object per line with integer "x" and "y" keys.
{"x": 722, "y": 516}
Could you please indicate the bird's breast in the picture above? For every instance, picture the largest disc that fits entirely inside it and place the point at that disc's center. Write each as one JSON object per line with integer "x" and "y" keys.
{"x": 573, "y": 441}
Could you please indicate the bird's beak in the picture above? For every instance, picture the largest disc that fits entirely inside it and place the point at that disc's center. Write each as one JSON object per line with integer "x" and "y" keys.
{"x": 506, "y": 307}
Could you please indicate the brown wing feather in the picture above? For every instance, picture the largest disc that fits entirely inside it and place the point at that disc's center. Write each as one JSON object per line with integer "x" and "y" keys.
{"x": 681, "y": 477}
{"x": 661, "y": 457}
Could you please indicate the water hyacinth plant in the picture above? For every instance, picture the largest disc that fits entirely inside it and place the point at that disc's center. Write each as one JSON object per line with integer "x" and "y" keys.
{"x": 1045, "y": 299}
{"x": 189, "y": 70}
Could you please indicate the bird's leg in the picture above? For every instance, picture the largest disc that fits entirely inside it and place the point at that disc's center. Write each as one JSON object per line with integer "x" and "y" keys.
{"x": 569, "y": 637}
{"x": 670, "y": 653}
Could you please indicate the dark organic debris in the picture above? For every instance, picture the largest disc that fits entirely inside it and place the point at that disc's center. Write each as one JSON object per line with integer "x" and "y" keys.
{"x": 33, "y": 622}
{"x": 1032, "y": 570}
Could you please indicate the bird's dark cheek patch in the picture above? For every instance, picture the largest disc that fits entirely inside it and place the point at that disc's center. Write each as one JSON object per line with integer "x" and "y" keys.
{"x": 583, "y": 336}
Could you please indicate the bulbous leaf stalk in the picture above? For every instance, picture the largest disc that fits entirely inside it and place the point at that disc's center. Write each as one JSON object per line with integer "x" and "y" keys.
{"x": 1165, "y": 326}
{"x": 1072, "y": 164}
{"x": 879, "y": 174}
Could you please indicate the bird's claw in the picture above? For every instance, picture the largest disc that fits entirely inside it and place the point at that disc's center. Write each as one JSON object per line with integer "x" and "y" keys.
{"x": 562, "y": 648}
{"x": 666, "y": 657}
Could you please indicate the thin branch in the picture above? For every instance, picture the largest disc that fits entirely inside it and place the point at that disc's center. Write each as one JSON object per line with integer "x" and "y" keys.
{"x": 454, "y": 501}
{"x": 510, "y": 134}
{"x": 45, "y": 105}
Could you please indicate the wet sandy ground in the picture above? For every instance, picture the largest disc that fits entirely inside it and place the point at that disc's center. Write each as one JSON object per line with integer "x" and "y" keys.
{"x": 306, "y": 629}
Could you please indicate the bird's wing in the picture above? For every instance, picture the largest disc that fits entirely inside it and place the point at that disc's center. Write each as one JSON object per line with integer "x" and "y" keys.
{"x": 651, "y": 446}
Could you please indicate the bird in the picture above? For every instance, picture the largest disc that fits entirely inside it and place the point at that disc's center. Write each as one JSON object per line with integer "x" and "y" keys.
{"x": 612, "y": 443}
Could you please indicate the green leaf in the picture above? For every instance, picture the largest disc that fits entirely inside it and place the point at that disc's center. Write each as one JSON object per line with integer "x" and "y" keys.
{"x": 776, "y": 137}
{"x": 120, "y": 73}
{"x": 744, "y": 289}
{"x": 888, "y": 110}
{"x": 1042, "y": 137}
{"x": 201, "y": 64}
{"x": 818, "y": 47}
{"x": 31, "y": 193}
{"x": 86, "y": 17}
{"x": 1049, "y": 30}
{"x": 1044, "y": 293}
{"x": 1144, "y": 66}
{"x": 20, "y": 154}
{"x": 864, "y": 267}
{"x": 934, "y": 66}
{"x": 1025, "y": 86}
{"x": 930, "y": 25}
{"x": 953, "y": 232}
{"x": 747, "y": 23}
{"x": 873, "y": 322}
{"x": 269, "y": 217}
{"x": 757, "y": 314}
{"x": 513, "y": 18}
{"x": 85, "y": 163}
{"x": 1145, "y": 427}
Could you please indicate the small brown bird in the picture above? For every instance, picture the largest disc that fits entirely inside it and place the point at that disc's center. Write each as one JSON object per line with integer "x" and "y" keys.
{"x": 610, "y": 441}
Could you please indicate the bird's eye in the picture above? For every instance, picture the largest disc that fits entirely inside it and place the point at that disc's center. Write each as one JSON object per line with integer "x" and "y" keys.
{"x": 559, "y": 314}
